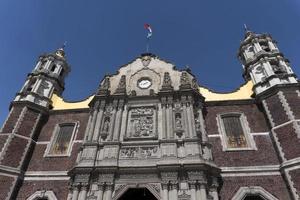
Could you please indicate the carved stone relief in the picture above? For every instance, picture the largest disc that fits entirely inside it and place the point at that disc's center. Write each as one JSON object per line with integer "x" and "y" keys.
{"x": 122, "y": 85}
{"x": 185, "y": 80}
{"x": 139, "y": 152}
{"x": 167, "y": 82}
{"x": 142, "y": 122}
{"x": 110, "y": 152}
{"x": 146, "y": 60}
{"x": 81, "y": 178}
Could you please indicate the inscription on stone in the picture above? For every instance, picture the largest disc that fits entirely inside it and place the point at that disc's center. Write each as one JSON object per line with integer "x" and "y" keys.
{"x": 139, "y": 152}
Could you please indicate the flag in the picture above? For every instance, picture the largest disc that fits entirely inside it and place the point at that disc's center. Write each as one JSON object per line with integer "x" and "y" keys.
{"x": 149, "y": 34}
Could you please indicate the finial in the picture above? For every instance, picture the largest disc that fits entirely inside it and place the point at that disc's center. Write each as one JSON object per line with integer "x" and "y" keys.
{"x": 61, "y": 51}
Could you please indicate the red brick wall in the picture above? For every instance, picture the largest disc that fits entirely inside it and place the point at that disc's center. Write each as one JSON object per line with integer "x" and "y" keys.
{"x": 295, "y": 175}
{"x": 273, "y": 184}
{"x": 276, "y": 110}
{"x": 264, "y": 155}
{"x": 289, "y": 141}
{"x": 6, "y": 183}
{"x": 12, "y": 119}
{"x": 294, "y": 101}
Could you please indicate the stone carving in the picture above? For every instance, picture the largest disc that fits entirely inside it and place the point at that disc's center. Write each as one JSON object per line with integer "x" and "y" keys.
{"x": 104, "y": 87}
{"x": 185, "y": 80}
{"x": 142, "y": 122}
{"x": 196, "y": 176}
{"x": 169, "y": 176}
{"x": 118, "y": 189}
{"x": 197, "y": 123}
{"x": 106, "y": 178}
{"x": 261, "y": 72}
{"x": 167, "y": 82}
{"x": 155, "y": 186}
{"x": 184, "y": 196}
{"x": 139, "y": 152}
{"x": 178, "y": 123}
{"x": 122, "y": 85}
{"x": 146, "y": 60}
{"x": 195, "y": 84}
{"x": 81, "y": 178}
{"x": 105, "y": 127}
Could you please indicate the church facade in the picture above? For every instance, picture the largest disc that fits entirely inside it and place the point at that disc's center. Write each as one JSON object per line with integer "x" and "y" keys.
{"x": 151, "y": 132}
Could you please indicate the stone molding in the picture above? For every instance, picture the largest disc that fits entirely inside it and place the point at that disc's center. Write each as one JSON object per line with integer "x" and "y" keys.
{"x": 42, "y": 194}
{"x": 253, "y": 190}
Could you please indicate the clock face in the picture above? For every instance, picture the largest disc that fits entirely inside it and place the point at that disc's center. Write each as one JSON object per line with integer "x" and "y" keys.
{"x": 144, "y": 83}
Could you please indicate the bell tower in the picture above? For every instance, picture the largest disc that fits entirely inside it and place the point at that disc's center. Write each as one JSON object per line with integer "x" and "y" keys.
{"x": 263, "y": 63}
{"x": 277, "y": 91}
{"x": 27, "y": 113}
{"x": 46, "y": 78}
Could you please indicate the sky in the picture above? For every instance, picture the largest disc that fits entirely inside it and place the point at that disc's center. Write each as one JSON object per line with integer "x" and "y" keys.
{"x": 104, "y": 35}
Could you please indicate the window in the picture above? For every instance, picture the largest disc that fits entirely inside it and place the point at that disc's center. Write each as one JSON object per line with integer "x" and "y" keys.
{"x": 61, "y": 141}
{"x": 53, "y": 68}
{"x": 235, "y": 132}
{"x": 265, "y": 46}
{"x": 31, "y": 84}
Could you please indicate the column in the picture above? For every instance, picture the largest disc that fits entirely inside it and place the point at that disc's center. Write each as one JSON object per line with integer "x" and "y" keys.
{"x": 191, "y": 119}
{"x": 192, "y": 185}
{"x": 202, "y": 191}
{"x": 98, "y": 121}
{"x": 83, "y": 192}
{"x": 271, "y": 45}
{"x": 173, "y": 190}
{"x": 256, "y": 46}
{"x": 164, "y": 121}
{"x": 198, "y": 193}
{"x": 170, "y": 118}
{"x": 108, "y": 191}
{"x": 164, "y": 191}
{"x": 185, "y": 116}
{"x": 69, "y": 197}
{"x": 118, "y": 121}
{"x": 75, "y": 192}
{"x": 100, "y": 191}
{"x": 112, "y": 122}
{"x": 124, "y": 122}
{"x": 93, "y": 121}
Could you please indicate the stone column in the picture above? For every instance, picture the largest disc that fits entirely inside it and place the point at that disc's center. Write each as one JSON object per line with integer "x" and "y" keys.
{"x": 256, "y": 45}
{"x": 202, "y": 189}
{"x": 98, "y": 121}
{"x": 112, "y": 122}
{"x": 198, "y": 193}
{"x": 173, "y": 193}
{"x": 170, "y": 118}
{"x": 164, "y": 121}
{"x": 191, "y": 119}
{"x": 83, "y": 192}
{"x": 118, "y": 120}
{"x": 124, "y": 122}
{"x": 164, "y": 191}
{"x": 108, "y": 191}
{"x": 100, "y": 191}
{"x": 93, "y": 122}
{"x": 69, "y": 197}
{"x": 75, "y": 192}
{"x": 192, "y": 185}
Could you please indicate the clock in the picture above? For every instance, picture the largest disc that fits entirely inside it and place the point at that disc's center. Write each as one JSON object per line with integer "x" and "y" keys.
{"x": 144, "y": 83}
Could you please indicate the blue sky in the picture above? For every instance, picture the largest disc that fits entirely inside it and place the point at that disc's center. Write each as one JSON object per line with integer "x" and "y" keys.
{"x": 103, "y": 35}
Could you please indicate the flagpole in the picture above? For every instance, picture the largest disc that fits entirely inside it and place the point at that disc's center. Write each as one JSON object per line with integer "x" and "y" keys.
{"x": 147, "y": 46}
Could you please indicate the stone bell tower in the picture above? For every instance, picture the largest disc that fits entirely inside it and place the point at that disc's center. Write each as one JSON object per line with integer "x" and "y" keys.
{"x": 277, "y": 89}
{"x": 27, "y": 113}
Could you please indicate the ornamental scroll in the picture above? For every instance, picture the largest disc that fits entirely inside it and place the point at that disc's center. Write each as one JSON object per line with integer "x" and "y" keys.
{"x": 142, "y": 123}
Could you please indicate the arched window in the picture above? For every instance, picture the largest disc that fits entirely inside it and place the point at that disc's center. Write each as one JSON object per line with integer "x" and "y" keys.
{"x": 62, "y": 138}
{"x": 235, "y": 132}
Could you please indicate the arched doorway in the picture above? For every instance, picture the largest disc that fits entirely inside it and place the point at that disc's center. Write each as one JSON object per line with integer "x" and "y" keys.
{"x": 137, "y": 194}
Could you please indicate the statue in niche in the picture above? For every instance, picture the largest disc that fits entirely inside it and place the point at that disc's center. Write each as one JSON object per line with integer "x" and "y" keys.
{"x": 197, "y": 122}
{"x": 142, "y": 122}
{"x": 178, "y": 121}
{"x": 106, "y": 125}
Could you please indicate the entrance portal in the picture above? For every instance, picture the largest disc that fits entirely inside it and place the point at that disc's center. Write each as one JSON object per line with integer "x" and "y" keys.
{"x": 137, "y": 194}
